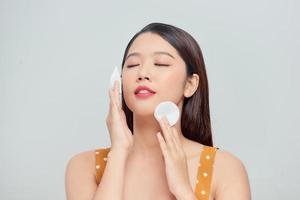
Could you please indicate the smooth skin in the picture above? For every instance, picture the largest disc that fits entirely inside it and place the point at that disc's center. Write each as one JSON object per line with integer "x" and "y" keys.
{"x": 157, "y": 162}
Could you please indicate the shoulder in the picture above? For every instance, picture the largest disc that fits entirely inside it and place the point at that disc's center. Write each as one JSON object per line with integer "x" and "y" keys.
{"x": 82, "y": 162}
{"x": 85, "y": 159}
{"x": 80, "y": 182}
{"x": 228, "y": 161}
{"x": 230, "y": 176}
{"x": 81, "y": 157}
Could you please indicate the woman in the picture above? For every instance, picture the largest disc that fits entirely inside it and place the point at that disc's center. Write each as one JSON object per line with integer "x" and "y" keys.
{"x": 149, "y": 159}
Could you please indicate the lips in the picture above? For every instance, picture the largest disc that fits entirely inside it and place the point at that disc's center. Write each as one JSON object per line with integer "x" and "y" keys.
{"x": 143, "y": 90}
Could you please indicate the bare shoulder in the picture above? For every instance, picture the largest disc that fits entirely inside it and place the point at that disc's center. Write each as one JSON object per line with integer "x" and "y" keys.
{"x": 231, "y": 178}
{"x": 83, "y": 160}
{"x": 227, "y": 161}
{"x": 80, "y": 180}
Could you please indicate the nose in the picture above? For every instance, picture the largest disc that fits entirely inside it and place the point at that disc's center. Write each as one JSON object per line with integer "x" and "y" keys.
{"x": 141, "y": 78}
{"x": 143, "y": 74}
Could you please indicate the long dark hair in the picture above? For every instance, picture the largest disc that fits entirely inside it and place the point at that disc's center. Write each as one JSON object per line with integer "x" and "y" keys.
{"x": 195, "y": 117}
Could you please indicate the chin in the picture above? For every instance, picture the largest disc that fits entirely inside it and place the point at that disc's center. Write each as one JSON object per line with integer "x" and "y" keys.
{"x": 142, "y": 108}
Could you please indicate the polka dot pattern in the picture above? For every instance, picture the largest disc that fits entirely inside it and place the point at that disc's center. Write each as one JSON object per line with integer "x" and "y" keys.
{"x": 205, "y": 171}
{"x": 101, "y": 159}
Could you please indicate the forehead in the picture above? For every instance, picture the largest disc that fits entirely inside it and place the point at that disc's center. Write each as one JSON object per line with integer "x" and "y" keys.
{"x": 147, "y": 43}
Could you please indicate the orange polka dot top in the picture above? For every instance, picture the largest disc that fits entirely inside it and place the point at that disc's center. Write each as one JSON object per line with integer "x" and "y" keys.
{"x": 204, "y": 174}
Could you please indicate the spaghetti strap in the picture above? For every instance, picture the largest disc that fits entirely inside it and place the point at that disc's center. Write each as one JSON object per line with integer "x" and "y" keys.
{"x": 100, "y": 158}
{"x": 205, "y": 172}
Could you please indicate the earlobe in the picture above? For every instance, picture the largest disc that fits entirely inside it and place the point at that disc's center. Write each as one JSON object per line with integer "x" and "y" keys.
{"x": 191, "y": 85}
{"x": 187, "y": 91}
{"x": 187, "y": 95}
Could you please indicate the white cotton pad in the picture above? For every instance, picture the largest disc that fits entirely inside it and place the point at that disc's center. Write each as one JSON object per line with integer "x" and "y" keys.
{"x": 168, "y": 109}
{"x": 116, "y": 76}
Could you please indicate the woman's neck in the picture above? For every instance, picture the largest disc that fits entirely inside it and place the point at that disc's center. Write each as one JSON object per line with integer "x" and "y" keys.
{"x": 145, "y": 142}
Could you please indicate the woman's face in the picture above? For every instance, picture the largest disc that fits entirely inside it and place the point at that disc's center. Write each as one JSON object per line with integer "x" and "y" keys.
{"x": 153, "y": 62}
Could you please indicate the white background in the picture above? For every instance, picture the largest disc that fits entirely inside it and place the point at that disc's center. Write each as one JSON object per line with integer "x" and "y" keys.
{"x": 56, "y": 58}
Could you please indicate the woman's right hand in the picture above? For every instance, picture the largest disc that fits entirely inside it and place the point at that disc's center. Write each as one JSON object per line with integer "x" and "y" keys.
{"x": 120, "y": 135}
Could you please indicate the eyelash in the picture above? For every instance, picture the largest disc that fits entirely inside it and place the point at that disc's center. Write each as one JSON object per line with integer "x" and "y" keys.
{"x": 164, "y": 65}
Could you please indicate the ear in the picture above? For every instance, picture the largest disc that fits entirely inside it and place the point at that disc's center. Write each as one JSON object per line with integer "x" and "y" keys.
{"x": 191, "y": 85}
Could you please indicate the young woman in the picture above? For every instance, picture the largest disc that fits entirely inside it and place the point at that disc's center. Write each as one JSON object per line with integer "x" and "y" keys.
{"x": 149, "y": 159}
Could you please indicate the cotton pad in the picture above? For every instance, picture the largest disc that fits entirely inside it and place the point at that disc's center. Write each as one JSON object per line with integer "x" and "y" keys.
{"x": 116, "y": 76}
{"x": 168, "y": 109}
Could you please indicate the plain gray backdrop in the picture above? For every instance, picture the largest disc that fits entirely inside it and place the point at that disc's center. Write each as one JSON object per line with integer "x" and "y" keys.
{"x": 56, "y": 58}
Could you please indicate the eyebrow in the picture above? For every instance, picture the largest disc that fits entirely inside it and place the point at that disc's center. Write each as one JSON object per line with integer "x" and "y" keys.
{"x": 155, "y": 53}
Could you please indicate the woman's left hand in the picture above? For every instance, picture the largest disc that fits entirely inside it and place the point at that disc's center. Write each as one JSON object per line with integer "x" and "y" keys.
{"x": 175, "y": 161}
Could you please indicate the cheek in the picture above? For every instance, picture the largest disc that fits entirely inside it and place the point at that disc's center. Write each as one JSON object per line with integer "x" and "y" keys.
{"x": 127, "y": 85}
{"x": 125, "y": 78}
{"x": 176, "y": 79}
{"x": 173, "y": 86}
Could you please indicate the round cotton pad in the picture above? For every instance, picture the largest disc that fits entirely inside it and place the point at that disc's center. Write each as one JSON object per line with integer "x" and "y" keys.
{"x": 116, "y": 76}
{"x": 168, "y": 109}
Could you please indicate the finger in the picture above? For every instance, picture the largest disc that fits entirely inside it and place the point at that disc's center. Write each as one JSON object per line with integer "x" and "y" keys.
{"x": 176, "y": 138}
{"x": 162, "y": 144}
{"x": 124, "y": 121}
{"x": 173, "y": 143}
{"x": 172, "y": 132}
{"x": 166, "y": 132}
{"x": 114, "y": 109}
{"x": 110, "y": 102}
{"x": 117, "y": 100}
{"x": 116, "y": 93}
{"x": 111, "y": 97}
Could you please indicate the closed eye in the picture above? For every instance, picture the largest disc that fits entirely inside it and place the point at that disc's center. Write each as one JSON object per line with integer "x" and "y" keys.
{"x": 157, "y": 64}
{"x": 165, "y": 65}
{"x": 131, "y": 65}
